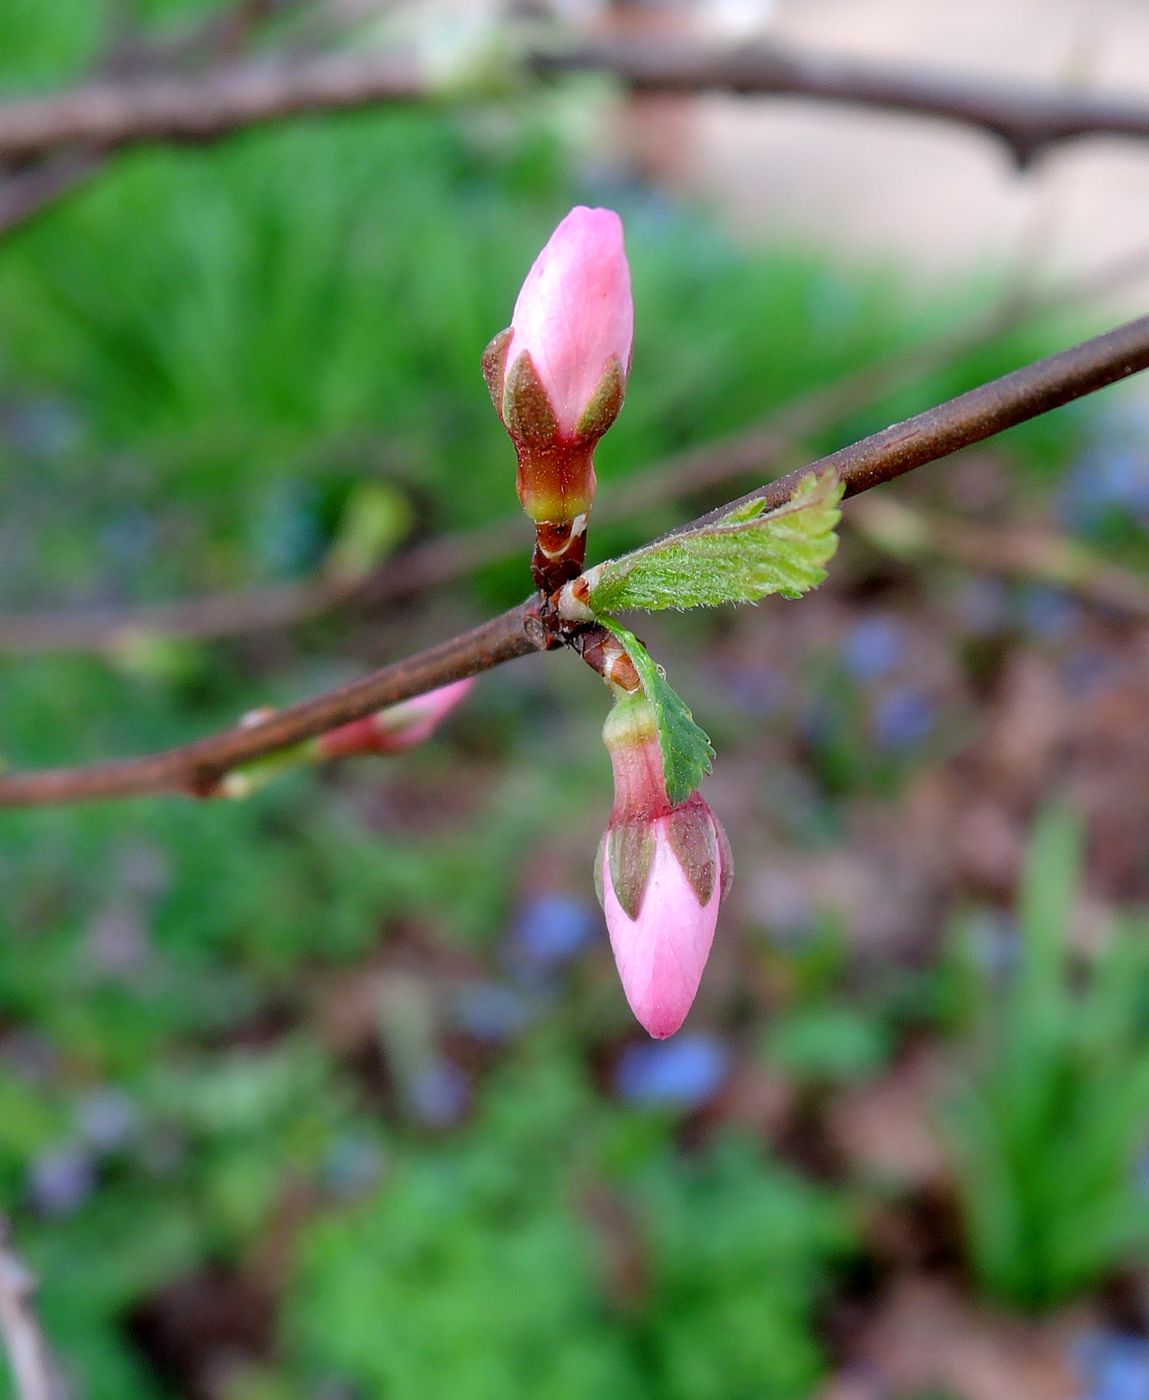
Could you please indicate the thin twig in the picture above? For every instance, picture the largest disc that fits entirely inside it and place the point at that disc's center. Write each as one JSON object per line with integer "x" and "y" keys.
{"x": 445, "y": 558}
{"x": 38, "y": 184}
{"x": 1014, "y": 551}
{"x": 981, "y": 413}
{"x": 1028, "y": 120}
{"x": 971, "y": 417}
{"x": 441, "y": 560}
{"x": 107, "y": 115}
{"x": 202, "y": 107}
{"x": 197, "y": 768}
{"x": 116, "y": 631}
{"x": 36, "y": 1374}
{"x": 31, "y": 191}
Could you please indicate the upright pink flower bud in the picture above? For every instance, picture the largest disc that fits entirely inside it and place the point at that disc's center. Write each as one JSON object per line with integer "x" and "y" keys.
{"x": 558, "y": 374}
{"x": 662, "y": 873}
{"x": 574, "y": 319}
{"x": 397, "y": 728}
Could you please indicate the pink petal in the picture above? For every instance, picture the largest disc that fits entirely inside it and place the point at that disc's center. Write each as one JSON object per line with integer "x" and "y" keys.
{"x": 399, "y": 727}
{"x": 574, "y": 312}
{"x": 661, "y": 954}
{"x": 413, "y": 721}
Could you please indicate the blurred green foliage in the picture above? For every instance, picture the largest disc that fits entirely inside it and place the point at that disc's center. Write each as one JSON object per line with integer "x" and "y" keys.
{"x": 501, "y": 1270}
{"x": 1049, "y": 1131}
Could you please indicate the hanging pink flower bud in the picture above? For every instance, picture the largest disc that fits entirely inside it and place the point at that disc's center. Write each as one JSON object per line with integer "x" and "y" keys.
{"x": 397, "y": 728}
{"x": 662, "y": 872}
{"x": 558, "y": 374}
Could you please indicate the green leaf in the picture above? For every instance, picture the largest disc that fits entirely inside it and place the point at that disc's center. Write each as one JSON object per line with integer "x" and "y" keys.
{"x": 742, "y": 557}
{"x": 686, "y": 750}
{"x": 375, "y": 519}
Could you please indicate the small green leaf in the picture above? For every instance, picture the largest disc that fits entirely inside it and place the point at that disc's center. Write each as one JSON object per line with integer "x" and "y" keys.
{"x": 750, "y": 511}
{"x": 375, "y": 519}
{"x": 686, "y": 750}
{"x": 742, "y": 557}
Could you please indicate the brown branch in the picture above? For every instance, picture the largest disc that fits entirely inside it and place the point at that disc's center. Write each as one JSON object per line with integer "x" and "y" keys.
{"x": 198, "y": 767}
{"x": 35, "y": 185}
{"x": 446, "y": 558}
{"x": 106, "y": 115}
{"x": 971, "y": 417}
{"x": 109, "y": 114}
{"x": 31, "y": 191}
{"x": 1027, "y": 120}
{"x": 33, "y": 1369}
{"x": 115, "y": 631}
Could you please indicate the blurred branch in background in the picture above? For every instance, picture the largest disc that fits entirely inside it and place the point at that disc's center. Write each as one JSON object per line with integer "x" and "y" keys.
{"x": 1027, "y": 120}
{"x": 222, "y": 615}
{"x": 109, "y": 113}
{"x": 31, "y": 183}
{"x": 1013, "y": 550}
{"x": 34, "y": 1371}
{"x": 432, "y": 563}
{"x": 443, "y": 559}
{"x": 24, "y": 193}
{"x": 198, "y": 768}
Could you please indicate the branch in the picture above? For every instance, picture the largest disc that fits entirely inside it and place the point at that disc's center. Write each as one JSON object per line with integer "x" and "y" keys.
{"x": 33, "y": 1369}
{"x": 106, "y": 115}
{"x": 1028, "y": 120}
{"x": 971, "y": 417}
{"x": 31, "y": 191}
{"x": 197, "y": 768}
{"x": 116, "y": 630}
{"x": 36, "y": 185}
{"x": 442, "y": 560}
{"x": 446, "y": 558}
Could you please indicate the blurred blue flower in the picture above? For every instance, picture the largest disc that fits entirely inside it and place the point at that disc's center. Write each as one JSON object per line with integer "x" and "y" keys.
{"x": 685, "y": 1071}
{"x": 439, "y": 1094}
{"x": 107, "y": 1119}
{"x": 60, "y": 1182}
{"x": 903, "y": 718}
{"x": 995, "y": 942}
{"x": 552, "y": 929}
{"x": 130, "y": 536}
{"x": 1110, "y": 479}
{"x": 352, "y": 1165}
{"x": 1047, "y": 612}
{"x": 490, "y": 1011}
{"x": 1114, "y": 1365}
{"x": 983, "y": 606}
{"x": 42, "y": 427}
{"x": 1088, "y": 670}
{"x": 873, "y": 648}
{"x": 755, "y": 688}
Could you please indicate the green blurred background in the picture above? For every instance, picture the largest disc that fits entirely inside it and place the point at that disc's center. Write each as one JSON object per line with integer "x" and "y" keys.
{"x": 333, "y": 1092}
